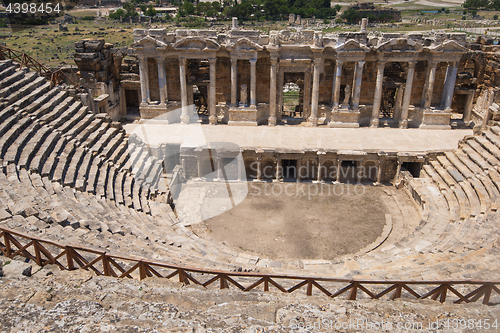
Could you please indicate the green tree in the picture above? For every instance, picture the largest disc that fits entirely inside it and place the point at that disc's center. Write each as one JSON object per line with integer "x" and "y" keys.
{"x": 351, "y": 15}
{"x": 475, "y": 4}
{"x": 143, "y": 8}
{"x": 495, "y": 4}
{"x": 117, "y": 14}
{"x": 151, "y": 11}
{"x": 216, "y": 6}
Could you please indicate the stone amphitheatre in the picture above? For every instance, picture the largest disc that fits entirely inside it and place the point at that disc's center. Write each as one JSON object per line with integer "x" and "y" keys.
{"x": 148, "y": 170}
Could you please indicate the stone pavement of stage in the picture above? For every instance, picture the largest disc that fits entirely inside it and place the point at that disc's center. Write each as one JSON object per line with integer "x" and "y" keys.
{"x": 296, "y": 138}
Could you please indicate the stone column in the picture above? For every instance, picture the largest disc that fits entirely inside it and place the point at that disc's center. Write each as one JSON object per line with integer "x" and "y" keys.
{"x": 451, "y": 86}
{"x": 337, "y": 176}
{"x": 403, "y": 122}
{"x": 313, "y": 119}
{"x": 162, "y": 80}
{"x": 398, "y": 171}
{"x": 198, "y": 160}
{"x": 278, "y": 168}
{"x": 297, "y": 172}
{"x": 259, "y": 170}
{"x": 357, "y": 85}
{"x": 272, "y": 92}
{"x": 211, "y": 99}
{"x": 398, "y": 103}
{"x": 143, "y": 73}
{"x": 337, "y": 83}
{"x": 430, "y": 85}
{"x": 468, "y": 107}
{"x": 239, "y": 160}
{"x": 234, "y": 82}
{"x": 379, "y": 172}
{"x": 378, "y": 94}
{"x": 318, "y": 177}
{"x": 219, "y": 168}
{"x": 253, "y": 82}
{"x": 446, "y": 84}
{"x": 184, "y": 98}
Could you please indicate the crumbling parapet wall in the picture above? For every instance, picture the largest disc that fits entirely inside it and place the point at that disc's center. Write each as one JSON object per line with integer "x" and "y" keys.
{"x": 99, "y": 67}
{"x": 485, "y": 78}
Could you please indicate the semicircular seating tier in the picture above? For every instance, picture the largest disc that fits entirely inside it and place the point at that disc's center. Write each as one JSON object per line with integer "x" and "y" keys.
{"x": 78, "y": 178}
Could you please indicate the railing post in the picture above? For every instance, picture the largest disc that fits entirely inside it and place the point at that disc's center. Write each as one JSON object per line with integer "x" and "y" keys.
{"x": 142, "y": 270}
{"x": 354, "y": 291}
{"x": 223, "y": 282}
{"x": 487, "y": 293}
{"x": 69, "y": 257}
{"x": 105, "y": 265}
{"x": 309, "y": 287}
{"x": 6, "y": 237}
{"x": 266, "y": 283}
{"x": 37, "y": 253}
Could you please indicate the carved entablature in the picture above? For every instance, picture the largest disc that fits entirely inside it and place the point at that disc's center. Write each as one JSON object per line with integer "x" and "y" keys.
{"x": 150, "y": 44}
{"x": 287, "y": 37}
{"x": 449, "y": 50}
{"x": 196, "y": 44}
{"x": 244, "y": 45}
{"x": 351, "y": 50}
{"x": 399, "y": 49}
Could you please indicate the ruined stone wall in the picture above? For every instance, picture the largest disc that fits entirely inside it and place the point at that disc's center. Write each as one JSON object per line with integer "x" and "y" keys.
{"x": 173, "y": 79}
{"x": 368, "y": 82}
{"x": 418, "y": 83}
{"x": 326, "y": 82}
{"x": 154, "y": 90}
{"x": 97, "y": 61}
{"x": 263, "y": 80}
{"x": 223, "y": 78}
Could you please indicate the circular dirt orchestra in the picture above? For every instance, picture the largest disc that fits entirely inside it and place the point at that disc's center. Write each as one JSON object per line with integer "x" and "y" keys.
{"x": 301, "y": 220}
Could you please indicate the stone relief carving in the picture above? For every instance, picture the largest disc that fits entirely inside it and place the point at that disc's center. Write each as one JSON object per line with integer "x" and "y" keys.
{"x": 302, "y": 37}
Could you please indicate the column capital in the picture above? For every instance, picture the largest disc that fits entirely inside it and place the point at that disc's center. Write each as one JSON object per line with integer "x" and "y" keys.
{"x": 361, "y": 63}
{"x": 381, "y": 63}
{"x": 433, "y": 63}
{"x": 318, "y": 61}
{"x": 212, "y": 61}
{"x": 234, "y": 61}
{"x": 253, "y": 61}
{"x": 161, "y": 60}
{"x": 183, "y": 61}
{"x": 274, "y": 62}
{"x": 339, "y": 62}
{"x": 412, "y": 64}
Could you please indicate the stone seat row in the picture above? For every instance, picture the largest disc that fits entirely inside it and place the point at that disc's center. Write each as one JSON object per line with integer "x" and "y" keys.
{"x": 66, "y": 215}
{"x": 47, "y": 131}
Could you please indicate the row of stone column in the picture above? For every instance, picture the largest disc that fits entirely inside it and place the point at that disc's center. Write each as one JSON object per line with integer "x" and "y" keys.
{"x": 446, "y": 99}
